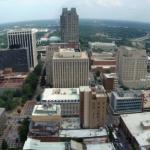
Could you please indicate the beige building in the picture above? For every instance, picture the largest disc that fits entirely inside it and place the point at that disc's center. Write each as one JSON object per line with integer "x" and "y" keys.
{"x": 49, "y": 68}
{"x": 131, "y": 66}
{"x": 70, "y": 69}
{"x": 93, "y": 103}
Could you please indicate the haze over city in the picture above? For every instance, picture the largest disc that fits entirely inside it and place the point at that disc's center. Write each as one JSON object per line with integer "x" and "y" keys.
{"x": 23, "y": 10}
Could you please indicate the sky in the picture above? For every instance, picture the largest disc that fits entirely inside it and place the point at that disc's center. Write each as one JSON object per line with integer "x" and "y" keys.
{"x": 23, "y": 10}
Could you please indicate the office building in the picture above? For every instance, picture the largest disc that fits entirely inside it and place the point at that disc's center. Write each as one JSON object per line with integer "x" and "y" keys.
{"x": 49, "y": 66}
{"x": 69, "y": 26}
{"x": 16, "y": 59}
{"x": 93, "y": 103}
{"x": 2, "y": 120}
{"x": 67, "y": 98}
{"x": 24, "y": 38}
{"x": 131, "y": 66}
{"x": 126, "y": 101}
{"x": 70, "y": 69}
{"x": 136, "y": 128}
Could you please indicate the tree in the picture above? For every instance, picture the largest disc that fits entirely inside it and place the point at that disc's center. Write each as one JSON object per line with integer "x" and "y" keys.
{"x": 4, "y": 145}
{"x": 23, "y": 130}
{"x": 97, "y": 73}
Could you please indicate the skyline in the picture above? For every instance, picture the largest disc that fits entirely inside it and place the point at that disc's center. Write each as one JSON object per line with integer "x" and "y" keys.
{"x": 25, "y": 10}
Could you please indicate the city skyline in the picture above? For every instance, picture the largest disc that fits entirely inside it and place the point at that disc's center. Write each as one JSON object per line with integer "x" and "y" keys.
{"x": 101, "y": 9}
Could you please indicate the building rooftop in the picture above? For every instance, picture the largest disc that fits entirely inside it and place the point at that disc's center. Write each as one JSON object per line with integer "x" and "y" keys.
{"x": 32, "y": 144}
{"x": 101, "y": 44}
{"x": 60, "y": 94}
{"x": 111, "y": 75}
{"x": 22, "y": 30}
{"x": 83, "y": 133}
{"x": 101, "y": 146}
{"x": 46, "y": 110}
{"x": 122, "y": 94}
{"x": 1, "y": 110}
{"x": 69, "y": 53}
{"x": 139, "y": 128}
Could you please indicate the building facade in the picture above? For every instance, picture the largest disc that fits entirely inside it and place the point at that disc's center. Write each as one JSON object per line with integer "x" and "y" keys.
{"x": 24, "y": 38}
{"x": 70, "y": 69}
{"x": 126, "y": 102}
{"x": 67, "y": 98}
{"x": 93, "y": 103}
{"x": 16, "y": 59}
{"x": 131, "y": 66}
{"x": 69, "y": 26}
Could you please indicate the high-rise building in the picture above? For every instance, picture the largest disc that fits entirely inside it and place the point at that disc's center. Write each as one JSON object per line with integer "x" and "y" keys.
{"x": 131, "y": 66}
{"x": 16, "y": 59}
{"x": 69, "y": 25}
{"x": 24, "y": 38}
{"x": 70, "y": 69}
{"x": 93, "y": 103}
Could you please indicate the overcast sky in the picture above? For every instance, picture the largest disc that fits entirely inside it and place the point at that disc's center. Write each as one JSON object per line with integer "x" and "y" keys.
{"x": 22, "y": 10}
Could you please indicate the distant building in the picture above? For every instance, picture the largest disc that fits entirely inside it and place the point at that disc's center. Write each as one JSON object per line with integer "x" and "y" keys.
{"x": 67, "y": 98}
{"x": 69, "y": 26}
{"x": 70, "y": 69}
{"x": 136, "y": 128}
{"x": 146, "y": 100}
{"x": 103, "y": 62}
{"x": 131, "y": 66}
{"x": 16, "y": 59}
{"x": 101, "y": 46}
{"x": 2, "y": 120}
{"x": 24, "y": 38}
{"x": 126, "y": 101}
{"x": 93, "y": 103}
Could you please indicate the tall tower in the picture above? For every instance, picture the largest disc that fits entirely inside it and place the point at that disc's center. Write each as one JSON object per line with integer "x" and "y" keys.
{"x": 69, "y": 24}
{"x": 24, "y": 38}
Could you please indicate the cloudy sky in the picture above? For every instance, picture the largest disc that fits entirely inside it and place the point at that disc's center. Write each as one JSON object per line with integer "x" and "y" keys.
{"x": 20, "y": 10}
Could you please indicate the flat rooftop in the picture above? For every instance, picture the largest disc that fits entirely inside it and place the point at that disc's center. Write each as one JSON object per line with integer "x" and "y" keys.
{"x": 60, "y": 94}
{"x": 47, "y": 110}
{"x": 83, "y": 133}
{"x": 122, "y": 94}
{"x": 32, "y": 144}
{"x": 110, "y": 76}
{"x": 101, "y": 44}
{"x": 134, "y": 123}
{"x": 102, "y": 146}
{"x": 69, "y": 54}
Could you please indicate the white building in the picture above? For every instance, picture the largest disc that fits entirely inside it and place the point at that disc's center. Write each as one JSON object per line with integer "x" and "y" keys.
{"x": 67, "y": 98}
{"x": 131, "y": 66}
{"x": 24, "y": 38}
{"x": 70, "y": 69}
{"x": 39, "y": 145}
{"x": 137, "y": 129}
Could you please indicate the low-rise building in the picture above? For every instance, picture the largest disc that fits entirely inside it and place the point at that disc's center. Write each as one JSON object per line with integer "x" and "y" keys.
{"x": 39, "y": 145}
{"x": 45, "y": 120}
{"x": 100, "y": 146}
{"x": 101, "y": 46}
{"x": 109, "y": 81}
{"x": 137, "y": 129}
{"x": 67, "y": 98}
{"x": 122, "y": 101}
